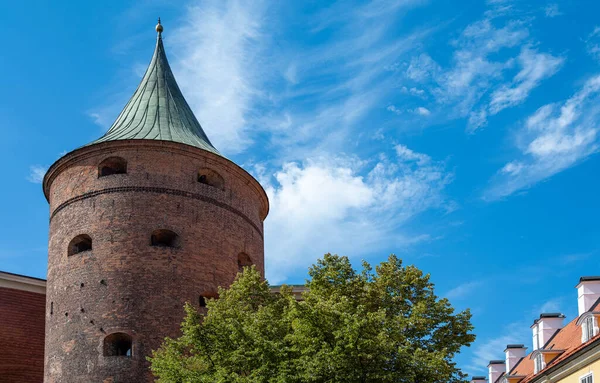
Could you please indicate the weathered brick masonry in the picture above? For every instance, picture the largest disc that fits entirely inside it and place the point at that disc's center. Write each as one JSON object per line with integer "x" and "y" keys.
{"x": 21, "y": 335}
{"x": 123, "y": 284}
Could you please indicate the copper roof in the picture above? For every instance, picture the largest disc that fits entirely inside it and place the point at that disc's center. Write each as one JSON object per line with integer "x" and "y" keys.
{"x": 157, "y": 110}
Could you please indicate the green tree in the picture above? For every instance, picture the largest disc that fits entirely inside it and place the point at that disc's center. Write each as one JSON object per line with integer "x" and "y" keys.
{"x": 385, "y": 325}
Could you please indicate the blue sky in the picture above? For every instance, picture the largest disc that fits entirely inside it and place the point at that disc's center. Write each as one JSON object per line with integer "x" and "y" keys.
{"x": 462, "y": 138}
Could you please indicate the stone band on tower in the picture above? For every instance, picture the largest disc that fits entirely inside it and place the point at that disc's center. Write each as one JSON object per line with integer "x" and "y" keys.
{"x": 142, "y": 220}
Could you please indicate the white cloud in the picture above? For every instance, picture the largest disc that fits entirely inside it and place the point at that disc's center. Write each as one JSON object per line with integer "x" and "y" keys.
{"x": 36, "y": 173}
{"x": 413, "y": 91}
{"x": 459, "y": 87}
{"x": 535, "y": 67}
{"x": 462, "y": 290}
{"x": 421, "y": 111}
{"x": 346, "y": 206}
{"x": 491, "y": 349}
{"x": 478, "y": 69}
{"x": 550, "y": 306}
{"x": 217, "y": 59}
{"x": 592, "y": 44}
{"x": 394, "y": 109}
{"x": 554, "y": 138}
{"x": 552, "y": 10}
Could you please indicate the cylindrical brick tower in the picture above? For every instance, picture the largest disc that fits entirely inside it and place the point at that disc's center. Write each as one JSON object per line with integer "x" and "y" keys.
{"x": 142, "y": 220}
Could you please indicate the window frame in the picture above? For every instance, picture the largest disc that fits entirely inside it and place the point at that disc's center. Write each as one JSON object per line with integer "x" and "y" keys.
{"x": 588, "y": 327}
{"x": 538, "y": 363}
{"x": 587, "y": 378}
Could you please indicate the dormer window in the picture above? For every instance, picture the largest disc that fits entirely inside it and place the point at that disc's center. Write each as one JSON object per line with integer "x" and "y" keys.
{"x": 539, "y": 363}
{"x": 588, "y": 328}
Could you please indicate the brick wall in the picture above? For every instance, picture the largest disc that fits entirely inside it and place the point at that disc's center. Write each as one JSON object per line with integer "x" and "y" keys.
{"x": 124, "y": 284}
{"x": 21, "y": 336}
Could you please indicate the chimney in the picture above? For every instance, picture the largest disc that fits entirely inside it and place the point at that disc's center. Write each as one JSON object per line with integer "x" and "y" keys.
{"x": 478, "y": 379}
{"x": 545, "y": 327}
{"x": 514, "y": 353}
{"x": 496, "y": 368}
{"x": 588, "y": 292}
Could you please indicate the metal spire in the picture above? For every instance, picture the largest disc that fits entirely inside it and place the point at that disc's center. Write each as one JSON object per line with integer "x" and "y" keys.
{"x": 159, "y": 27}
{"x": 157, "y": 110}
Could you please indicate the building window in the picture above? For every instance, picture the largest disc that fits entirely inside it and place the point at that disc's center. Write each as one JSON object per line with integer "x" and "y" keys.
{"x": 164, "y": 238}
{"x": 243, "y": 261}
{"x": 112, "y": 165}
{"x": 80, "y": 244}
{"x": 587, "y": 379}
{"x": 539, "y": 363}
{"x": 211, "y": 178}
{"x": 588, "y": 328}
{"x": 118, "y": 344}
{"x": 202, "y": 301}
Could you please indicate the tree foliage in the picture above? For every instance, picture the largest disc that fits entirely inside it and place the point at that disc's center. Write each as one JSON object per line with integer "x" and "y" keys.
{"x": 385, "y": 325}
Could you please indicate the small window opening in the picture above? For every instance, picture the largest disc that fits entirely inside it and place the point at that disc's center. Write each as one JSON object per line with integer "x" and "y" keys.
{"x": 202, "y": 301}
{"x": 211, "y": 178}
{"x": 80, "y": 244}
{"x": 243, "y": 261}
{"x": 112, "y": 165}
{"x": 51, "y": 308}
{"x": 117, "y": 344}
{"x": 164, "y": 238}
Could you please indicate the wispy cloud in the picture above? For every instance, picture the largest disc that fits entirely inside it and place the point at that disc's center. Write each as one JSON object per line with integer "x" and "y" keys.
{"x": 492, "y": 348}
{"x": 556, "y": 137}
{"x": 457, "y": 89}
{"x": 463, "y": 290}
{"x": 36, "y": 173}
{"x": 217, "y": 60}
{"x": 592, "y": 43}
{"x": 347, "y": 206}
{"x": 552, "y": 10}
{"x": 475, "y": 84}
{"x": 535, "y": 67}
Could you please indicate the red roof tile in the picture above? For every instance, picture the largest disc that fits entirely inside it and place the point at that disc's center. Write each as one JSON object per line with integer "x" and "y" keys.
{"x": 567, "y": 339}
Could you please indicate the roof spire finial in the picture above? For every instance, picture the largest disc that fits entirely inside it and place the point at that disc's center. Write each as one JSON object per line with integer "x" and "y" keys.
{"x": 159, "y": 27}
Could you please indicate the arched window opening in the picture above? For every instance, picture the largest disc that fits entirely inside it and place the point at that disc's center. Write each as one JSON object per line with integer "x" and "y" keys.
{"x": 164, "y": 238}
{"x": 112, "y": 165}
{"x": 117, "y": 344}
{"x": 211, "y": 178}
{"x": 243, "y": 261}
{"x": 80, "y": 244}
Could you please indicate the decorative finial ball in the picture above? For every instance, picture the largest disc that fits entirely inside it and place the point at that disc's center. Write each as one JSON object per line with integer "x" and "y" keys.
{"x": 159, "y": 27}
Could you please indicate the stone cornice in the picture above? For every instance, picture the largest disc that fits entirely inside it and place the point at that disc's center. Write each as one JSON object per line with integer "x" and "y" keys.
{"x": 23, "y": 283}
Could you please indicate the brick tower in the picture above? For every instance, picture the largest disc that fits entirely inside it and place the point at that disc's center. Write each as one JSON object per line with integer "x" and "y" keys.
{"x": 142, "y": 220}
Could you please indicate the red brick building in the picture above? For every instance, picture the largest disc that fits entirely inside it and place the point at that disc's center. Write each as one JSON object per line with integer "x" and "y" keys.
{"x": 22, "y": 307}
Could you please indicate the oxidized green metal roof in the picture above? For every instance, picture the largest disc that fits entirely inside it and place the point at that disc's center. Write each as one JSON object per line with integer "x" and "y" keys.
{"x": 157, "y": 109}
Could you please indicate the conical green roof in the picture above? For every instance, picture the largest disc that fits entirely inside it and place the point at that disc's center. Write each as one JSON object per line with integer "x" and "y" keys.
{"x": 157, "y": 109}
